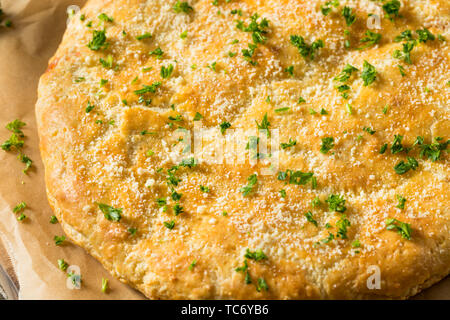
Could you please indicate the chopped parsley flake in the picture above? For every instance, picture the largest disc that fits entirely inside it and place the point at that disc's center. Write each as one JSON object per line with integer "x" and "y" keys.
{"x": 59, "y": 240}
{"x": 402, "y": 167}
{"x": 299, "y": 177}
{"x": 432, "y": 151}
{"x": 306, "y": 51}
{"x": 189, "y": 163}
{"x": 262, "y": 285}
{"x": 25, "y": 159}
{"x": 348, "y": 15}
{"x": 244, "y": 269}
{"x": 397, "y": 146}
{"x": 157, "y": 52}
{"x": 402, "y": 228}
{"x": 89, "y": 107}
{"x": 105, "y": 286}
{"x": 392, "y": 8}
{"x": 279, "y": 110}
{"x": 169, "y": 224}
{"x": 161, "y": 202}
{"x": 198, "y": 116}
{"x": 342, "y": 224}
{"x": 105, "y": 18}
{"x": 13, "y": 141}
{"x": 289, "y": 70}
{"x": 166, "y": 71}
{"x": 144, "y": 36}
{"x": 192, "y": 265}
{"x": 328, "y": 239}
{"x": 16, "y": 126}
{"x": 336, "y": 203}
{"x": 184, "y": 34}
{"x": 327, "y": 144}
{"x": 401, "y": 202}
{"x": 257, "y": 29}
{"x": 178, "y": 209}
{"x": 404, "y": 36}
{"x": 326, "y": 9}
{"x": 349, "y": 108}
{"x": 370, "y": 39}
{"x": 176, "y": 196}
{"x": 151, "y": 88}
{"x": 291, "y": 143}
{"x": 20, "y": 207}
{"x": 62, "y": 265}
{"x": 75, "y": 279}
{"x": 369, "y": 73}
{"x": 309, "y": 218}
{"x": 224, "y": 126}
{"x": 182, "y": 6}
{"x": 265, "y": 124}
{"x": 213, "y": 66}
{"x": 98, "y": 40}
{"x": 296, "y": 177}
{"x": 257, "y": 255}
{"x": 108, "y": 62}
{"x": 345, "y": 73}
{"x": 425, "y": 35}
{"x": 315, "y": 202}
{"x": 110, "y": 213}
{"x": 252, "y": 180}
{"x": 369, "y": 130}
{"x": 405, "y": 54}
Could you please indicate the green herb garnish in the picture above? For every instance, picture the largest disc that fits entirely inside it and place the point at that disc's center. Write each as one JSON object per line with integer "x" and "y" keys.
{"x": 402, "y": 228}
{"x": 98, "y": 40}
{"x": 327, "y": 144}
{"x": 110, "y": 213}
{"x": 252, "y": 180}
{"x": 336, "y": 203}
{"x": 306, "y": 51}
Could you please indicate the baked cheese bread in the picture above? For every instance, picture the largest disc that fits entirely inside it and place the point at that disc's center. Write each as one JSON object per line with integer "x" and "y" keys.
{"x": 257, "y": 149}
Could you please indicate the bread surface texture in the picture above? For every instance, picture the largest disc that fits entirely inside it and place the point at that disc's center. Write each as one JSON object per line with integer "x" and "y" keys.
{"x": 322, "y": 171}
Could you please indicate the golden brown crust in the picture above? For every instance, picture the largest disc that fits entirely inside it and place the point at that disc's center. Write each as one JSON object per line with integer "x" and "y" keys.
{"x": 101, "y": 156}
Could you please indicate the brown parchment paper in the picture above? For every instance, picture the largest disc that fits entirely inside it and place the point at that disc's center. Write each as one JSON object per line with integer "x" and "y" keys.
{"x": 38, "y": 26}
{"x": 31, "y": 255}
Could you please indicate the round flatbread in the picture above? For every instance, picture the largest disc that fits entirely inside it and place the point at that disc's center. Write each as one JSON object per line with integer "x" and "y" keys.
{"x": 254, "y": 149}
